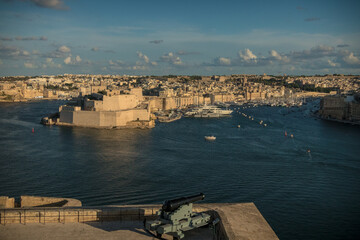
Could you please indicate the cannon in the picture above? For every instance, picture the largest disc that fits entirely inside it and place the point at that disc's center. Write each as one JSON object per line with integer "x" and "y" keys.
{"x": 176, "y": 217}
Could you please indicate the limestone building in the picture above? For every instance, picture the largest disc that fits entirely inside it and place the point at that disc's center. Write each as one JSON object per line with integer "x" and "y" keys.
{"x": 125, "y": 110}
{"x": 340, "y": 108}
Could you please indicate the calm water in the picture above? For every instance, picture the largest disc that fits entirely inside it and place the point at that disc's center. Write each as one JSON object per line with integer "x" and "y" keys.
{"x": 301, "y": 195}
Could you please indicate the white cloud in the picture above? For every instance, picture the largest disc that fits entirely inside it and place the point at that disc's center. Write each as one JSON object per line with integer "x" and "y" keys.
{"x": 225, "y": 61}
{"x": 26, "y": 53}
{"x": 29, "y": 65}
{"x": 222, "y": 61}
{"x": 143, "y": 57}
{"x": 60, "y": 52}
{"x": 73, "y": 61}
{"x": 275, "y": 55}
{"x": 137, "y": 67}
{"x": 67, "y": 60}
{"x": 64, "y": 49}
{"x": 331, "y": 63}
{"x": 315, "y": 52}
{"x": 11, "y": 52}
{"x": 351, "y": 59}
{"x": 78, "y": 59}
{"x": 247, "y": 55}
{"x": 50, "y": 63}
{"x": 171, "y": 58}
{"x": 116, "y": 65}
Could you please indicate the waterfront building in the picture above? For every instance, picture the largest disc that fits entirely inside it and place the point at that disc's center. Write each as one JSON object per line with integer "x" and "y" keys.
{"x": 341, "y": 108}
{"x": 98, "y": 110}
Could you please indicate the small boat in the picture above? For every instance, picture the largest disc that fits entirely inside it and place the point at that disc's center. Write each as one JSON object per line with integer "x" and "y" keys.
{"x": 210, "y": 138}
{"x": 238, "y": 126}
{"x": 265, "y": 124}
{"x": 292, "y": 136}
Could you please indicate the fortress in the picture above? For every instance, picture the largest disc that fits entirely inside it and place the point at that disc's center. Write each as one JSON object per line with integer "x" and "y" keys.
{"x": 98, "y": 110}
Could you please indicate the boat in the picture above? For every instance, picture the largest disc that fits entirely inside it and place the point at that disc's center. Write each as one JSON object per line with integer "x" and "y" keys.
{"x": 210, "y": 138}
{"x": 238, "y": 126}
{"x": 208, "y": 111}
{"x": 222, "y": 104}
{"x": 169, "y": 119}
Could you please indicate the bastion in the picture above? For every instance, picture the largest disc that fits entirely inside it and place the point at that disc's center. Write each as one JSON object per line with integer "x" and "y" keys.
{"x": 236, "y": 221}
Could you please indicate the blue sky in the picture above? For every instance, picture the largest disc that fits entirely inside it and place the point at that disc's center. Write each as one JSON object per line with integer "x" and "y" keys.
{"x": 179, "y": 37}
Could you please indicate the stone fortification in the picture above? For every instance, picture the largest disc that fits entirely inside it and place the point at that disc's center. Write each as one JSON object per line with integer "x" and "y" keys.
{"x": 101, "y": 111}
{"x": 340, "y": 108}
{"x": 6, "y": 202}
{"x": 237, "y": 220}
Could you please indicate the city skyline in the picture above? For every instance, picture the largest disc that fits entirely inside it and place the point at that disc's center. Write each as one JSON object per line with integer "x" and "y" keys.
{"x": 161, "y": 37}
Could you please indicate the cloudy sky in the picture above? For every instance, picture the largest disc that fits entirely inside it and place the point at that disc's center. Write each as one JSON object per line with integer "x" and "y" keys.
{"x": 206, "y": 37}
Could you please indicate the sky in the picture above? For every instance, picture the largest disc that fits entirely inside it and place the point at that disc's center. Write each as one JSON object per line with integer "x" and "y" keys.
{"x": 198, "y": 37}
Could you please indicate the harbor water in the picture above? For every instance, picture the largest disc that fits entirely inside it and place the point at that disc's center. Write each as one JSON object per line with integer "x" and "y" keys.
{"x": 306, "y": 187}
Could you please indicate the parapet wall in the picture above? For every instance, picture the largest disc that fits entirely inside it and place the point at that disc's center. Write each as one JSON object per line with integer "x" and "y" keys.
{"x": 237, "y": 220}
{"x": 6, "y": 202}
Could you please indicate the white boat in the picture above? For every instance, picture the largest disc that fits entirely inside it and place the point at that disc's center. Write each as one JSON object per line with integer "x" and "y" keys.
{"x": 208, "y": 111}
{"x": 222, "y": 104}
{"x": 210, "y": 138}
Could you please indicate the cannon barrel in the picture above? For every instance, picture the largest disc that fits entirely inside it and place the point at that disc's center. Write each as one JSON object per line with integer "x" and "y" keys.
{"x": 171, "y": 205}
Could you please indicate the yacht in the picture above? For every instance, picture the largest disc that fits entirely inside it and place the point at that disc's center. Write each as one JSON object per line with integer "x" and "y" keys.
{"x": 208, "y": 111}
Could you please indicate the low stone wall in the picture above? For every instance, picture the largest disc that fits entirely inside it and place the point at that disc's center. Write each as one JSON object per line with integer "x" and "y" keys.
{"x": 63, "y": 215}
{"x": 47, "y": 215}
{"x": 6, "y": 202}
